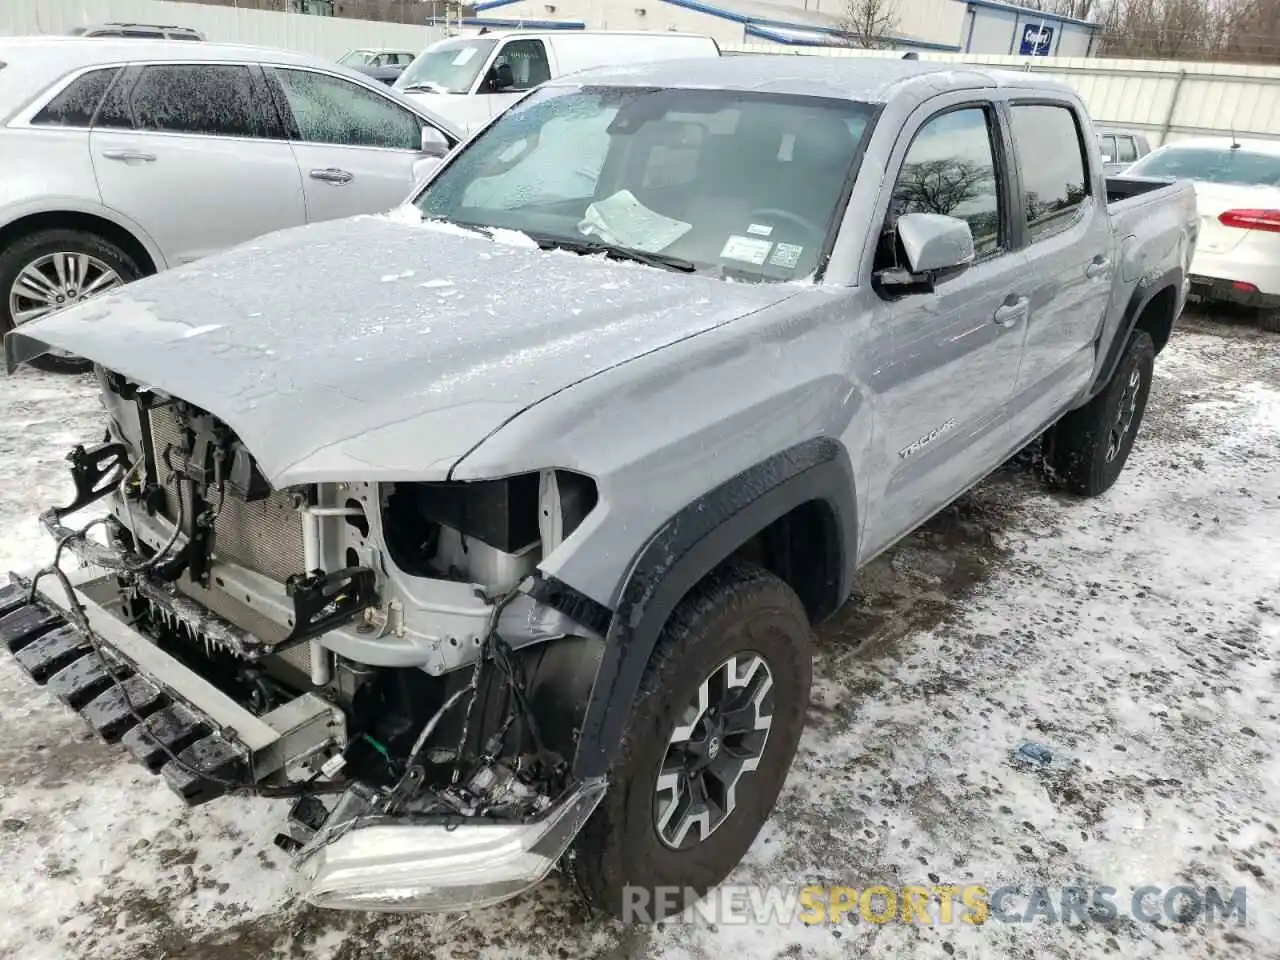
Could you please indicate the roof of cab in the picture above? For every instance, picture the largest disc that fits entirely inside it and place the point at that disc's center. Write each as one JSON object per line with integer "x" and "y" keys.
{"x": 869, "y": 79}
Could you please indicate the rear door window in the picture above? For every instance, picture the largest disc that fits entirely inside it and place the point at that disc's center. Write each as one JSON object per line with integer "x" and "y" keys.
{"x": 1109, "y": 148}
{"x": 209, "y": 99}
{"x": 78, "y": 101}
{"x": 1051, "y": 159}
{"x": 1128, "y": 152}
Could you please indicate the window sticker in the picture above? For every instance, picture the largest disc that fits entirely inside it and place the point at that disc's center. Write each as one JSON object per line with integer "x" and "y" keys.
{"x": 786, "y": 255}
{"x": 746, "y": 249}
{"x": 759, "y": 230}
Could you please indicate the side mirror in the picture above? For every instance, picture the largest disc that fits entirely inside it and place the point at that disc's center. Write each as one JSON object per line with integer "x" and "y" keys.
{"x": 502, "y": 77}
{"x": 937, "y": 247}
{"x": 434, "y": 143}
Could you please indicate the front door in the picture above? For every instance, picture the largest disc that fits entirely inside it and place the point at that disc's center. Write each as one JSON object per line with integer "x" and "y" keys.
{"x": 941, "y": 366}
{"x": 192, "y": 152}
{"x": 355, "y": 148}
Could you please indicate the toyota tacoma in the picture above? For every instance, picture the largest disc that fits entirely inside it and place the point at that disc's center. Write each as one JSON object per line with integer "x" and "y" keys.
{"x": 491, "y": 532}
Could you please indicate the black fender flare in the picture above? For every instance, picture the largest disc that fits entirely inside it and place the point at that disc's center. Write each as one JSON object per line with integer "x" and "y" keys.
{"x": 688, "y": 547}
{"x": 1141, "y": 299}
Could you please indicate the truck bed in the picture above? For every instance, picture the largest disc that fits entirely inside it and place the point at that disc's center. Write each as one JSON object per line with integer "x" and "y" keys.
{"x": 1122, "y": 188}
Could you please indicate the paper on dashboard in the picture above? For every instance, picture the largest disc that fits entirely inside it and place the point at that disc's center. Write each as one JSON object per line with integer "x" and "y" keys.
{"x": 624, "y": 221}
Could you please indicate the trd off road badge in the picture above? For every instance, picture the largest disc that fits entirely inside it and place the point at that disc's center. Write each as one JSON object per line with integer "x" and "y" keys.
{"x": 915, "y": 446}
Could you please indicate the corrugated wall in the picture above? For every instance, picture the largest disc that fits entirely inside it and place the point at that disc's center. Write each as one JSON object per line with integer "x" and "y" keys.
{"x": 327, "y": 37}
{"x": 1167, "y": 99}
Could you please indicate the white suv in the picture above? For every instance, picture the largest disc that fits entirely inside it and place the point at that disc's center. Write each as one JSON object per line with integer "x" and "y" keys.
{"x": 124, "y": 157}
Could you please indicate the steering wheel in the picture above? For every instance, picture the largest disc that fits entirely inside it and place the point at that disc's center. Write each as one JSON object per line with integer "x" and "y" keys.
{"x": 766, "y": 214}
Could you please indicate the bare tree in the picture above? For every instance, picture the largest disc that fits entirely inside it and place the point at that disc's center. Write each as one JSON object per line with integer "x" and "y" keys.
{"x": 939, "y": 186}
{"x": 1242, "y": 30}
{"x": 869, "y": 23}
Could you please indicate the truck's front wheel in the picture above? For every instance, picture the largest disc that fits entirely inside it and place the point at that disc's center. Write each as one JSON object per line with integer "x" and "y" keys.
{"x": 1089, "y": 446}
{"x": 712, "y": 735}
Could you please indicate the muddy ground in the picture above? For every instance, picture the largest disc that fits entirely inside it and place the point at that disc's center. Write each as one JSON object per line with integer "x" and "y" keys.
{"x": 1134, "y": 636}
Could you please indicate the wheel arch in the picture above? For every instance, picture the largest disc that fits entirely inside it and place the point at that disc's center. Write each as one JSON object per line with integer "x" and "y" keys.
{"x": 107, "y": 224}
{"x": 1154, "y": 308}
{"x": 802, "y": 494}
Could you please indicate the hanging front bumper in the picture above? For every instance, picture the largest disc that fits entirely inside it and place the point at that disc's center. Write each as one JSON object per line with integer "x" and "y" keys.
{"x": 169, "y": 718}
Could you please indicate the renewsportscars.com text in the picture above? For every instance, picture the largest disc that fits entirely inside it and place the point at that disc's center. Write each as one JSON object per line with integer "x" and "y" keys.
{"x": 940, "y": 904}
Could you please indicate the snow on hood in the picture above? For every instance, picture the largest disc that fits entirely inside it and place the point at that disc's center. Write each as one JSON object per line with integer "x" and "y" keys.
{"x": 380, "y": 349}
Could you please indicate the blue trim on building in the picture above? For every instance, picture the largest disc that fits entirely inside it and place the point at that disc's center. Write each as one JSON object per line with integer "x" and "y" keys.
{"x": 490, "y": 4}
{"x": 1038, "y": 14}
{"x": 501, "y": 24}
{"x": 756, "y": 28}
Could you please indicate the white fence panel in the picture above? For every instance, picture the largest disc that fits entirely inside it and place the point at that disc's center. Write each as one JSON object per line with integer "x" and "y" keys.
{"x": 327, "y": 37}
{"x": 1169, "y": 100}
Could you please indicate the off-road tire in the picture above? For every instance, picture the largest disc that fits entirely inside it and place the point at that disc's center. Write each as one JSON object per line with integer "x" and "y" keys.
{"x": 25, "y": 250}
{"x": 1080, "y": 441}
{"x": 737, "y": 608}
{"x": 1269, "y": 320}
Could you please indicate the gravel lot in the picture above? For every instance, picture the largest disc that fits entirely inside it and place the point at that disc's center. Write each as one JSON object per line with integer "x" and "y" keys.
{"x": 1136, "y": 636}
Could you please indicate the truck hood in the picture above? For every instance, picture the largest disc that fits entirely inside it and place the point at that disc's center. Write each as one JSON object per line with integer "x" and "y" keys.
{"x": 382, "y": 348}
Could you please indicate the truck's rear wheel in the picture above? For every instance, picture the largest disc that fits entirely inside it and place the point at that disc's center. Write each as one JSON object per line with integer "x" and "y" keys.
{"x": 1269, "y": 320}
{"x": 1089, "y": 446}
{"x": 712, "y": 735}
{"x": 50, "y": 270}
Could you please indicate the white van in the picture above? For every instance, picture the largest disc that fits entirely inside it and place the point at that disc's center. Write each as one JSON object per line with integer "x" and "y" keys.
{"x": 470, "y": 79}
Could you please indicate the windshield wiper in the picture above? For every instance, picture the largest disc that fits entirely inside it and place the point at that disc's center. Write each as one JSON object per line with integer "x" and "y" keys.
{"x": 614, "y": 252}
{"x": 423, "y": 86}
{"x": 484, "y": 231}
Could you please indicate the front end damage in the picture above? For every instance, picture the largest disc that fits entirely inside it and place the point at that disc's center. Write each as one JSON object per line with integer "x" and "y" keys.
{"x": 377, "y": 653}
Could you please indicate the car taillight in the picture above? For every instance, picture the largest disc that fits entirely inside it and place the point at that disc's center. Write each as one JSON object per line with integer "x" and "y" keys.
{"x": 1251, "y": 219}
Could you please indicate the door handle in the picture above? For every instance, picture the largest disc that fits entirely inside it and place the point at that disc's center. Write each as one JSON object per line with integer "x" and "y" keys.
{"x": 332, "y": 175}
{"x": 1097, "y": 268}
{"x": 129, "y": 156}
{"x": 1011, "y": 311}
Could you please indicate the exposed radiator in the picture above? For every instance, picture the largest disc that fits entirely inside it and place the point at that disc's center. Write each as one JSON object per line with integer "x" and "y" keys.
{"x": 264, "y": 536}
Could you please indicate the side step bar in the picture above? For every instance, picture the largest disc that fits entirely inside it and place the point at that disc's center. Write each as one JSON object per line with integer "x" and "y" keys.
{"x": 218, "y": 745}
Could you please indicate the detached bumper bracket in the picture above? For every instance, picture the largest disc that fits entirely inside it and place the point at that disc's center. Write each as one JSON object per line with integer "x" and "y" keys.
{"x": 172, "y": 720}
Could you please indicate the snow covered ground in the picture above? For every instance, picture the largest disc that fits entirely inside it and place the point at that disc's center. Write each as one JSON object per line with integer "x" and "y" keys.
{"x": 1135, "y": 636}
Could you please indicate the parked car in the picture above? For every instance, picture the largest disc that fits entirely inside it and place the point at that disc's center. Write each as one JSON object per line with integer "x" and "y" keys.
{"x": 1120, "y": 148}
{"x": 381, "y": 64}
{"x": 472, "y": 79}
{"x": 1237, "y": 185}
{"x": 145, "y": 31}
{"x": 125, "y": 157}
{"x": 505, "y": 523}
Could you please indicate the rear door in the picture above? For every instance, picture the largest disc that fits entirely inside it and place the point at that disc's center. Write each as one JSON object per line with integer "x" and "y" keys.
{"x": 194, "y": 154}
{"x": 1063, "y": 214}
{"x": 355, "y": 147}
{"x": 941, "y": 365}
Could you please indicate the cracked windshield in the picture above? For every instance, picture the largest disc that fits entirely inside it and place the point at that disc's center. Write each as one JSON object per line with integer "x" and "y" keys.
{"x": 723, "y": 182}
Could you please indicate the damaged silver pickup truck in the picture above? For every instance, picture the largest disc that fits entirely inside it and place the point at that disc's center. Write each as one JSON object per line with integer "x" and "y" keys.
{"x": 491, "y": 532}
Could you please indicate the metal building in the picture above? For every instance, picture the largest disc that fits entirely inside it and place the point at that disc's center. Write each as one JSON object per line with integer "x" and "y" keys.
{"x": 954, "y": 26}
